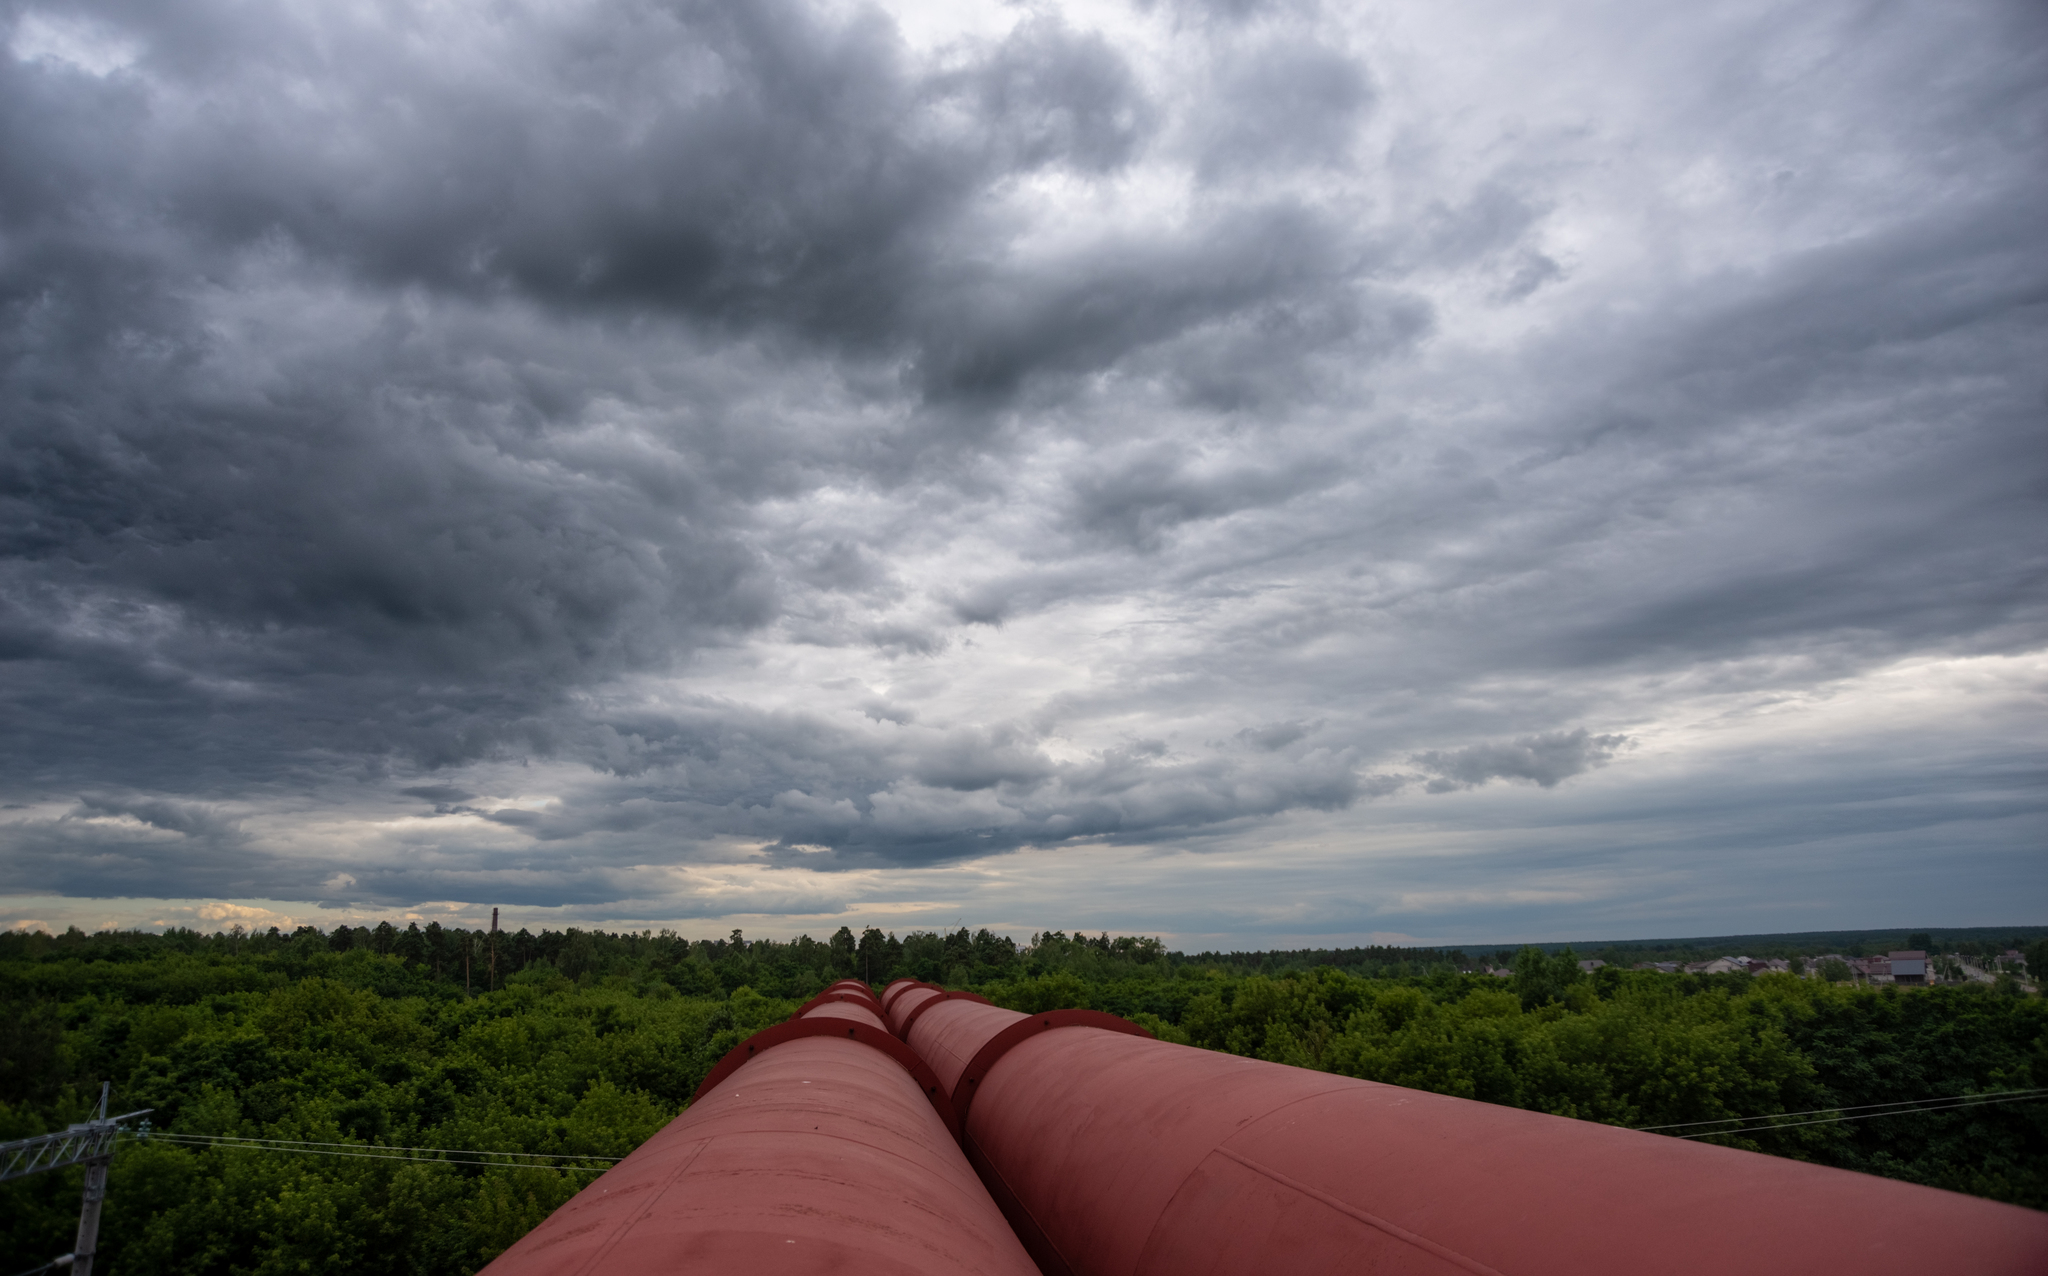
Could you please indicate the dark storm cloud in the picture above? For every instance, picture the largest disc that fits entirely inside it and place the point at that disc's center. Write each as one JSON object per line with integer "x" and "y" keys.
{"x": 744, "y": 163}
{"x": 1086, "y": 313}
{"x": 1135, "y": 500}
{"x": 1281, "y": 105}
{"x": 1054, "y": 97}
{"x": 1545, "y": 760}
{"x": 439, "y": 794}
{"x": 1277, "y": 736}
{"x": 381, "y": 525}
{"x": 188, "y": 819}
{"x": 553, "y": 443}
{"x": 111, "y": 846}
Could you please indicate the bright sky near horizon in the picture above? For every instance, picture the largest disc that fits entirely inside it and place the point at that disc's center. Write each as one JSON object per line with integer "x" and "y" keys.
{"x": 1250, "y": 472}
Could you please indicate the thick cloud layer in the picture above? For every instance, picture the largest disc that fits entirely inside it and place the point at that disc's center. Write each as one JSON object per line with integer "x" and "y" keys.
{"x": 713, "y": 458}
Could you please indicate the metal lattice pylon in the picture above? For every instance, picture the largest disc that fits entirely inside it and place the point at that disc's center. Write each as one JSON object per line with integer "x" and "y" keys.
{"x": 88, "y": 1143}
{"x": 72, "y": 1146}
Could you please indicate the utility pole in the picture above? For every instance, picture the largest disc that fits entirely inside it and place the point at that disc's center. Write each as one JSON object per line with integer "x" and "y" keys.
{"x": 90, "y": 1144}
{"x": 88, "y": 1242}
{"x": 494, "y": 950}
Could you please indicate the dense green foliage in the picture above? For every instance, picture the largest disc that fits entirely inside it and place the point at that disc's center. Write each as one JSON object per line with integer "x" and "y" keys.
{"x": 286, "y": 1038}
{"x": 1645, "y": 1049}
{"x": 590, "y": 1042}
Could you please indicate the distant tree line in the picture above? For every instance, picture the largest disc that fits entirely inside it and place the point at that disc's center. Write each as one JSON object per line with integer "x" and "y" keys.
{"x": 451, "y": 957}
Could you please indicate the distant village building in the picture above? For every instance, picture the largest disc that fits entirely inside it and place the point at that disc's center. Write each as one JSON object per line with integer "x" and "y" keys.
{"x": 1718, "y": 966}
{"x": 1590, "y": 966}
{"x": 1908, "y": 966}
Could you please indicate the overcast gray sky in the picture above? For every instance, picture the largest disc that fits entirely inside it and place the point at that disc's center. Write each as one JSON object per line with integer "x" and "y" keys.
{"x": 1256, "y": 473}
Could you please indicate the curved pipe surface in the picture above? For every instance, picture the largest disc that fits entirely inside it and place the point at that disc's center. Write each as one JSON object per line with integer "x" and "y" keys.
{"x": 854, "y": 986}
{"x": 910, "y": 1015}
{"x": 909, "y": 1000}
{"x": 850, "y": 1010}
{"x": 851, "y": 1022}
{"x": 1117, "y": 1155}
{"x": 964, "y": 1085}
{"x": 830, "y": 995}
{"x": 899, "y": 988}
{"x": 963, "y": 1045}
{"x": 948, "y": 1042}
{"x": 816, "y": 1156}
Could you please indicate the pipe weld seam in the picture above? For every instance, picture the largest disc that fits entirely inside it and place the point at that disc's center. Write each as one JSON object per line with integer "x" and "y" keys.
{"x": 632, "y": 1219}
{"x": 1394, "y": 1230}
{"x": 1019, "y": 1215}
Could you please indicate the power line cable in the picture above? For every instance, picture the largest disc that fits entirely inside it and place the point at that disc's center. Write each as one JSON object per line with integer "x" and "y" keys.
{"x": 459, "y": 1152}
{"x": 378, "y": 1156}
{"x": 460, "y": 1157}
{"x": 1861, "y": 1107}
{"x": 383, "y": 1156}
{"x": 1863, "y": 1112}
{"x": 361, "y": 1147}
{"x": 1867, "y": 1116}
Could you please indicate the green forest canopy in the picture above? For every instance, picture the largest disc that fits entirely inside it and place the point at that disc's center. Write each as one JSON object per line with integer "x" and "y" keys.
{"x": 586, "y": 1043}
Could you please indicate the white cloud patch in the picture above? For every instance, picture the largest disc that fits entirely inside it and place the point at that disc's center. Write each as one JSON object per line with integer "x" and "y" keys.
{"x": 72, "y": 40}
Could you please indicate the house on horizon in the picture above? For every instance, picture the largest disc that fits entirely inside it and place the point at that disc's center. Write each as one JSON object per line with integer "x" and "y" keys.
{"x": 1718, "y": 966}
{"x": 1908, "y": 966}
